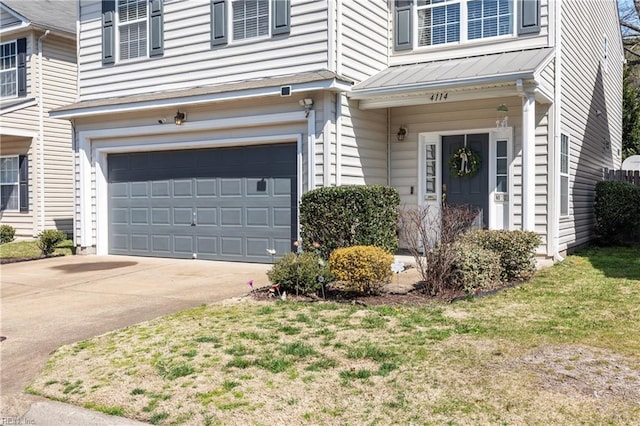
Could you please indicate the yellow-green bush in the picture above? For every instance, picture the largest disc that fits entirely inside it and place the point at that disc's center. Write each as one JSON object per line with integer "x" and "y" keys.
{"x": 365, "y": 269}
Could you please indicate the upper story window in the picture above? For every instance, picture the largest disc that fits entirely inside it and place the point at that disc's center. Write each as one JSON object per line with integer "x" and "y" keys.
{"x": 132, "y": 28}
{"x": 8, "y": 69}
{"x": 250, "y": 19}
{"x": 423, "y": 23}
{"x": 453, "y": 21}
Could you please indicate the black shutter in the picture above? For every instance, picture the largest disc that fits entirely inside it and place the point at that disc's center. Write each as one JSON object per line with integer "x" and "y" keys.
{"x": 22, "y": 66}
{"x": 156, "y": 29}
{"x": 528, "y": 16}
{"x": 403, "y": 25}
{"x": 218, "y": 22}
{"x": 281, "y": 19}
{"x": 23, "y": 164}
{"x": 108, "y": 32}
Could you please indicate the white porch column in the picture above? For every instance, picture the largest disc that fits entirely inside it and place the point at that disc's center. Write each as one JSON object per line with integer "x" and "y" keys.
{"x": 528, "y": 161}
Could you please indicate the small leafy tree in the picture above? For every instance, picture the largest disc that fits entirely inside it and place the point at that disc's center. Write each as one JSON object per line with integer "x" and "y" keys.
{"x": 49, "y": 239}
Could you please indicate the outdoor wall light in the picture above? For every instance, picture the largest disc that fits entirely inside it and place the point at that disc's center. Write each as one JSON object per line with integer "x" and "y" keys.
{"x": 402, "y": 132}
{"x": 307, "y": 103}
{"x": 180, "y": 118}
{"x": 502, "y": 119}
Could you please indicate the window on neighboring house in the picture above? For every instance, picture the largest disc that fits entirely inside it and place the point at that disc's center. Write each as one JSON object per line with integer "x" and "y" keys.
{"x": 8, "y": 70}
{"x": 250, "y": 19}
{"x": 564, "y": 175}
{"x": 10, "y": 183}
{"x": 132, "y": 28}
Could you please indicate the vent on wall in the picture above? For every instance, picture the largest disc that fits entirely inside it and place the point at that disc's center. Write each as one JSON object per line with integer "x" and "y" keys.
{"x": 285, "y": 91}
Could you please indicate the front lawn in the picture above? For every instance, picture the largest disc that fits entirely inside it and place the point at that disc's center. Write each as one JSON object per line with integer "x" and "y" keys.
{"x": 29, "y": 249}
{"x": 562, "y": 349}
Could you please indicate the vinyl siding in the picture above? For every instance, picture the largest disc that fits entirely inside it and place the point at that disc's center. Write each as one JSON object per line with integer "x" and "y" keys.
{"x": 586, "y": 89}
{"x": 59, "y": 82}
{"x": 363, "y": 147}
{"x": 23, "y": 222}
{"x": 462, "y": 117}
{"x": 189, "y": 60}
{"x": 233, "y": 109}
{"x": 475, "y": 48}
{"x": 364, "y": 38}
{"x": 8, "y": 20}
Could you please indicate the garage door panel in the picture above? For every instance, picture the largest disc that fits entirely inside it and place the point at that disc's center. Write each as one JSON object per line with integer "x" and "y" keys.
{"x": 160, "y": 189}
{"x": 221, "y": 204}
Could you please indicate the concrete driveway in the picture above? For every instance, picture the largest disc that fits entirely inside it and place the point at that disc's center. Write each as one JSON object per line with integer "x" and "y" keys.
{"x": 52, "y": 302}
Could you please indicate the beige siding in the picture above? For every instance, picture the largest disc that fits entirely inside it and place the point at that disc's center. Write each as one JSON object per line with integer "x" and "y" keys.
{"x": 364, "y": 38}
{"x": 363, "y": 147}
{"x": 59, "y": 83}
{"x": 527, "y": 41}
{"x": 8, "y": 20}
{"x": 23, "y": 222}
{"x": 591, "y": 107}
{"x": 190, "y": 61}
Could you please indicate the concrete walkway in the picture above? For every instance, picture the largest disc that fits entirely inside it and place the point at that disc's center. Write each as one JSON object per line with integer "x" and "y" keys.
{"x": 52, "y": 302}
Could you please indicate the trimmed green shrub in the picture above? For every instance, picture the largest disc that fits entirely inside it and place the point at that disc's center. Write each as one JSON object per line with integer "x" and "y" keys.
{"x": 474, "y": 268}
{"x": 49, "y": 239}
{"x": 364, "y": 269}
{"x": 301, "y": 273}
{"x": 345, "y": 216}
{"x": 7, "y": 233}
{"x": 617, "y": 210}
{"x": 515, "y": 248}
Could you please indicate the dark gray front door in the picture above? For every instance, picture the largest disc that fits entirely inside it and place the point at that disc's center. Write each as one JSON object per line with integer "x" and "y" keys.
{"x": 472, "y": 191}
{"x": 219, "y": 203}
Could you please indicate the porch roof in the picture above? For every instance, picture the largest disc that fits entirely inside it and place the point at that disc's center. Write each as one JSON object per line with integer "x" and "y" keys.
{"x": 455, "y": 73}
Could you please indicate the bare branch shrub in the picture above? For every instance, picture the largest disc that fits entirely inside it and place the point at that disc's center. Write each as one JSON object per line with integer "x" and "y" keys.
{"x": 429, "y": 235}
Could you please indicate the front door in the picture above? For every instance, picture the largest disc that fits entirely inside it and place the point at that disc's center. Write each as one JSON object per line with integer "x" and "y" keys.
{"x": 472, "y": 190}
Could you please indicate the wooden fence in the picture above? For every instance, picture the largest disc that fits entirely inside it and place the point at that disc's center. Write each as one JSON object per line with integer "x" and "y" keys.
{"x": 631, "y": 176}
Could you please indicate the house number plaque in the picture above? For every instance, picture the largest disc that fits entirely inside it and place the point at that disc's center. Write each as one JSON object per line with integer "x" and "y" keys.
{"x": 439, "y": 97}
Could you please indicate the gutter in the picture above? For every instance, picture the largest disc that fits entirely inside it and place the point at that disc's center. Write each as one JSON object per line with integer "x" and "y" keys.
{"x": 557, "y": 129}
{"x": 41, "y": 210}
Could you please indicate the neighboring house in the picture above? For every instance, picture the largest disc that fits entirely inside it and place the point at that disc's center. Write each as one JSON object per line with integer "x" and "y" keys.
{"x": 37, "y": 73}
{"x": 200, "y": 123}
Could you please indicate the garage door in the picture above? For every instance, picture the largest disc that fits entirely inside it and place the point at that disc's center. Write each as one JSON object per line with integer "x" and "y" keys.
{"x": 219, "y": 204}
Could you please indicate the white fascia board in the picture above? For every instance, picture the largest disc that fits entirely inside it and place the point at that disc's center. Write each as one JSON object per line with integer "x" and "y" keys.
{"x": 9, "y": 131}
{"x": 7, "y": 32}
{"x": 439, "y": 85}
{"x": 332, "y": 84}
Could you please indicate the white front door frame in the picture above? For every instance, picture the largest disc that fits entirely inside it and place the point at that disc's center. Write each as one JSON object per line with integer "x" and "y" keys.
{"x": 498, "y": 203}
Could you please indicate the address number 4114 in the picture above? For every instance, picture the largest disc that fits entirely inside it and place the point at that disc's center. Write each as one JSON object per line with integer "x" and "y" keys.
{"x": 439, "y": 97}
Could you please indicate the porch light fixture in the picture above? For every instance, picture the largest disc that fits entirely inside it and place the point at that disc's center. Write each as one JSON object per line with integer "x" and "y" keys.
{"x": 502, "y": 120}
{"x": 402, "y": 132}
{"x": 180, "y": 118}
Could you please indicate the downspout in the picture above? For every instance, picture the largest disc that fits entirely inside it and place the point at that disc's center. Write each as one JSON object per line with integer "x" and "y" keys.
{"x": 41, "y": 123}
{"x": 557, "y": 128}
{"x": 388, "y": 146}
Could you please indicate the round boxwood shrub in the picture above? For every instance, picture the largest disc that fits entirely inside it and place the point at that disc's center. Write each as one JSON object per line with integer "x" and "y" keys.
{"x": 363, "y": 269}
{"x": 300, "y": 273}
{"x": 7, "y": 233}
{"x": 617, "y": 210}
{"x": 344, "y": 216}
{"x": 474, "y": 268}
{"x": 515, "y": 248}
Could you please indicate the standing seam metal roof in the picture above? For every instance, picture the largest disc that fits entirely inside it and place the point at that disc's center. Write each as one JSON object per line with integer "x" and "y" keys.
{"x": 456, "y": 70}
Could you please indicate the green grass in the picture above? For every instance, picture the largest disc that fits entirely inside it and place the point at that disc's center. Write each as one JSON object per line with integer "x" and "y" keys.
{"x": 534, "y": 354}
{"x": 29, "y": 249}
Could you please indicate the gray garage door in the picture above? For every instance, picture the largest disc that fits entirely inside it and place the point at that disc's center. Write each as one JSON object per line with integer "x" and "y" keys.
{"x": 220, "y": 204}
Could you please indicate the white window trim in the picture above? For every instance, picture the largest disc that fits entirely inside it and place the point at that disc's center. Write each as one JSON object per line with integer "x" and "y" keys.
{"x": 16, "y": 183}
{"x": 15, "y": 70}
{"x": 463, "y": 28}
{"x": 248, "y": 40}
{"x": 118, "y": 24}
{"x": 566, "y": 174}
